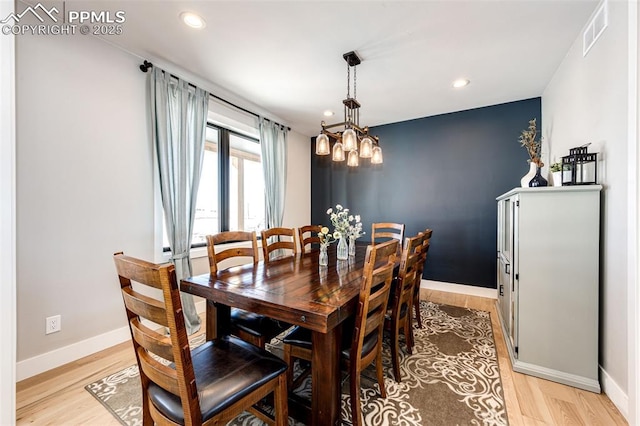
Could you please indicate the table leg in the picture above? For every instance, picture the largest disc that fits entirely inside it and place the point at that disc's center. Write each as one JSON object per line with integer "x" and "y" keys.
{"x": 325, "y": 378}
{"x": 217, "y": 319}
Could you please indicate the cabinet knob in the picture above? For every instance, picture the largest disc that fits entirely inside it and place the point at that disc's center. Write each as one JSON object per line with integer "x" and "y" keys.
{"x": 507, "y": 268}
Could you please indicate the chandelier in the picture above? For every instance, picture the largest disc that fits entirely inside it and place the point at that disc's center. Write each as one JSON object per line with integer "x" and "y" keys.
{"x": 347, "y": 140}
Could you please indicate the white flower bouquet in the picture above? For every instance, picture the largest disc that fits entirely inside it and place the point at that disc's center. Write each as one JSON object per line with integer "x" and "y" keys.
{"x": 344, "y": 224}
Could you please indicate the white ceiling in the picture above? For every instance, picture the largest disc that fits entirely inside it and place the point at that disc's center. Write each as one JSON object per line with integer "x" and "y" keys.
{"x": 286, "y": 56}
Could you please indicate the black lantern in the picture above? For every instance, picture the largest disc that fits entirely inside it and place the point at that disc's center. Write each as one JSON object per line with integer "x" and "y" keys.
{"x": 580, "y": 166}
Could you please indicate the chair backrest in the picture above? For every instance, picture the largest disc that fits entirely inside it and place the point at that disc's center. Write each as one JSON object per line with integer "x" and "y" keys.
{"x": 426, "y": 243}
{"x": 407, "y": 275}
{"x": 249, "y": 250}
{"x": 374, "y": 295}
{"x": 167, "y": 312}
{"x": 383, "y": 231}
{"x": 278, "y": 239}
{"x": 312, "y": 238}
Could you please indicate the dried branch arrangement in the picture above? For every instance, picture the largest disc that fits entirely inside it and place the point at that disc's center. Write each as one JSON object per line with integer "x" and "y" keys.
{"x": 528, "y": 140}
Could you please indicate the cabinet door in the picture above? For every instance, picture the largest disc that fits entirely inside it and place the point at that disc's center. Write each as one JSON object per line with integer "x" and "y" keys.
{"x": 506, "y": 259}
{"x": 504, "y": 290}
{"x": 515, "y": 267}
{"x": 506, "y": 302}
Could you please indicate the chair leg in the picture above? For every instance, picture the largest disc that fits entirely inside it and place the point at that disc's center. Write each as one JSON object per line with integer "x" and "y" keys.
{"x": 416, "y": 307}
{"x": 280, "y": 402}
{"x": 408, "y": 333}
{"x": 289, "y": 361}
{"x": 380, "y": 373}
{"x": 395, "y": 347}
{"x": 147, "y": 420}
{"x": 356, "y": 410}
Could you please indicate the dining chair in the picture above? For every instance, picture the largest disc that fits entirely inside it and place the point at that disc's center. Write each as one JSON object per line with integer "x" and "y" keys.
{"x": 426, "y": 243}
{"x": 399, "y": 316}
{"x": 383, "y": 231}
{"x": 210, "y": 384}
{"x": 312, "y": 238}
{"x": 249, "y": 326}
{"x": 232, "y": 237}
{"x": 362, "y": 345}
{"x": 280, "y": 239}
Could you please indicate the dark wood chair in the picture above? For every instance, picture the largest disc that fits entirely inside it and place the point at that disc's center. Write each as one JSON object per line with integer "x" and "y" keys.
{"x": 399, "y": 317}
{"x": 308, "y": 236}
{"x": 249, "y": 326}
{"x": 363, "y": 344}
{"x": 384, "y": 231}
{"x": 208, "y": 385}
{"x": 280, "y": 239}
{"x": 426, "y": 243}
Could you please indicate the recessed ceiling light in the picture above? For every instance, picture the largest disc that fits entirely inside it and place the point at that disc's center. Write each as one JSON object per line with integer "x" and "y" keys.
{"x": 328, "y": 113}
{"x": 461, "y": 82}
{"x": 193, "y": 20}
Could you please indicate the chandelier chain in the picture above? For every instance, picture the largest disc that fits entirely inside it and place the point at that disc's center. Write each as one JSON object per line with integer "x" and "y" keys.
{"x": 355, "y": 70}
{"x": 348, "y": 81}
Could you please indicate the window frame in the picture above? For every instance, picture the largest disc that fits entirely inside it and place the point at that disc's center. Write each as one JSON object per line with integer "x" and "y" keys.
{"x": 224, "y": 150}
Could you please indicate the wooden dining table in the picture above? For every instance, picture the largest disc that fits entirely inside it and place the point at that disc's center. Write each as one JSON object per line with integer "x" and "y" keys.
{"x": 298, "y": 291}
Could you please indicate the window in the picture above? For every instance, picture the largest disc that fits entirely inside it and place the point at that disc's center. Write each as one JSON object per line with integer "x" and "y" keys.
{"x": 231, "y": 192}
{"x": 247, "y": 185}
{"x": 206, "y": 219}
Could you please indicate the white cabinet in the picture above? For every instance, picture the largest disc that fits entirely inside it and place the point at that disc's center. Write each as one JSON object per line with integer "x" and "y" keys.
{"x": 548, "y": 257}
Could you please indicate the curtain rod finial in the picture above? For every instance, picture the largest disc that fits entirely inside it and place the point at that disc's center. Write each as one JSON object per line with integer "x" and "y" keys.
{"x": 144, "y": 67}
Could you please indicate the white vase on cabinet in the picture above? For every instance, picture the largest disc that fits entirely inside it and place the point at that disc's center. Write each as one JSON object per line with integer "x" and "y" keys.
{"x": 533, "y": 168}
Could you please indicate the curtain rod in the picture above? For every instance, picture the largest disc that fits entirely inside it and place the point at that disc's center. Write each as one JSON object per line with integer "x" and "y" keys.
{"x": 144, "y": 67}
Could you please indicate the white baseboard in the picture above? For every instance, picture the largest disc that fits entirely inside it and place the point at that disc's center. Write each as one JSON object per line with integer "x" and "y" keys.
{"x": 490, "y": 293}
{"x": 615, "y": 394}
{"x": 50, "y": 360}
{"x": 47, "y": 361}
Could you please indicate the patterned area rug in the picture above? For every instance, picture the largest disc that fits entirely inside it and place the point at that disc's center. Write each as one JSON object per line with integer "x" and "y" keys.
{"x": 452, "y": 378}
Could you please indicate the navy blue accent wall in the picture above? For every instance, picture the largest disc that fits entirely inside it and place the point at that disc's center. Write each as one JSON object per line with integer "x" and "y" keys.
{"x": 442, "y": 172}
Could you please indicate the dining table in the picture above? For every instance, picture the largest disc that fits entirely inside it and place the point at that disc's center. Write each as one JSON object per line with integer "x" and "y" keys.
{"x": 298, "y": 291}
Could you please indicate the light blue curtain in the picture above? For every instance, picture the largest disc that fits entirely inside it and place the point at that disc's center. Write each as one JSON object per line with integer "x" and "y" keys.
{"x": 179, "y": 120}
{"x": 273, "y": 142}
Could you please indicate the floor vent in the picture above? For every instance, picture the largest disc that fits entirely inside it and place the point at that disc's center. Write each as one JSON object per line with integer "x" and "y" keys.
{"x": 595, "y": 27}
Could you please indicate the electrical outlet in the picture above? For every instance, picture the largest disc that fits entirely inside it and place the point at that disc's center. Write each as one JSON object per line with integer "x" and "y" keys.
{"x": 53, "y": 324}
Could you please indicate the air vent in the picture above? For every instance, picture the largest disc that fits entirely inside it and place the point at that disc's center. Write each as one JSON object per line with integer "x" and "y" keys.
{"x": 595, "y": 27}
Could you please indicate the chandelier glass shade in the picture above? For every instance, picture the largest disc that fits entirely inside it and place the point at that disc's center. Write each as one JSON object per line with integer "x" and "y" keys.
{"x": 338, "y": 152}
{"x": 376, "y": 156}
{"x": 366, "y": 148}
{"x": 352, "y": 161}
{"x": 322, "y": 145}
{"x": 345, "y": 142}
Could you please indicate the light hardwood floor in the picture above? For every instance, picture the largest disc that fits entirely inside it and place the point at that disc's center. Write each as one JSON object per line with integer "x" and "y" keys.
{"x": 57, "y": 397}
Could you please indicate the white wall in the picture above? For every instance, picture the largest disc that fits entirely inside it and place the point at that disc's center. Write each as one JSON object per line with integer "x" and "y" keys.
{"x": 297, "y": 205}
{"x": 85, "y": 191}
{"x": 7, "y": 225}
{"x": 634, "y": 222}
{"x": 587, "y": 101}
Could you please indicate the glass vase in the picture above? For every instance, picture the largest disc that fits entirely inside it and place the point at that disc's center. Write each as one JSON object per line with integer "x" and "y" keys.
{"x": 352, "y": 246}
{"x": 323, "y": 258}
{"x": 343, "y": 249}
